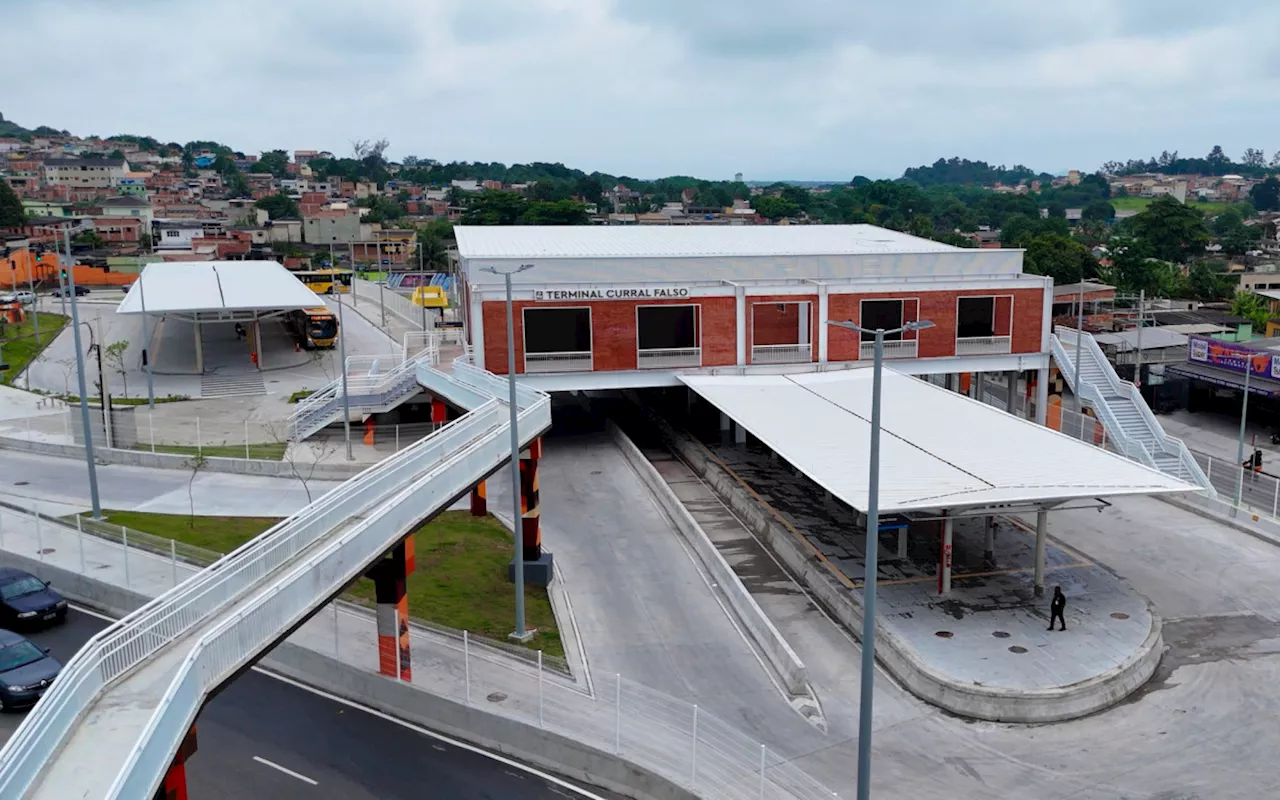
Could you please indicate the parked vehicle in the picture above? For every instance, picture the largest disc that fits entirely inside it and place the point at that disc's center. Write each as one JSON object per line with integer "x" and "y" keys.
{"x": 26, "y": 671}
{"x": 25, "y": 297}
{"x": 25, "y": 600}
{"x": 81, "y": 291}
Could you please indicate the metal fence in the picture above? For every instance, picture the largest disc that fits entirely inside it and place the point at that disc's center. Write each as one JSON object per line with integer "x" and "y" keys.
{"x": 677, "y": 739}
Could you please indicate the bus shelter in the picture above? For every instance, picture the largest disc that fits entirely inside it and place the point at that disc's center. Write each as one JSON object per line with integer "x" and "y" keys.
{"x": 942, "y": 454}
{"x": 207, "y": 292}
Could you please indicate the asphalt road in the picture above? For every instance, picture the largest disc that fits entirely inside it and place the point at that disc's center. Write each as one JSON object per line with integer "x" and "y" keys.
{"x": 329, "y": 749}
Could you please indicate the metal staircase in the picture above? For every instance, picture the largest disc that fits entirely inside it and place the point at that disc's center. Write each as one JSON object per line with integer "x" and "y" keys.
{"x": 375, "y": 384}
{"x": 1129, "y": 423}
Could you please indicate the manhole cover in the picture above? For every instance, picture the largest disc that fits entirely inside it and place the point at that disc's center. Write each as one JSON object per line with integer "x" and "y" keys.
{"x": 1000, "y": 634}
{"x": 21, "y": 483}
{"x": 1119, "y": 615}
{"x": 48, "y": 550}
{"x": 944, "y": 634}
{"x": 496, "y": 697}
{"x": 1017, "y": 648}
{"x": 597, "y": 472}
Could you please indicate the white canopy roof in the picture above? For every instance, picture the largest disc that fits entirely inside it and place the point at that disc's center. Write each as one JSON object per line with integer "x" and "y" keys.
{"x": 938, "y": 449}
{"x": 216, "y": 286}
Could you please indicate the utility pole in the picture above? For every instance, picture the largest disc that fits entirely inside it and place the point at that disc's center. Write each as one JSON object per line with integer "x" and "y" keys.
{"x": 422, "y": 294}
{"x": 84, "y": 400}
{"x": 346, "y": 400}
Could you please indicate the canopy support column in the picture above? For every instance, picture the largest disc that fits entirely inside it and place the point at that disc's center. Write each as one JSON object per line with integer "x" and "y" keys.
{"x": 199, "y": 349}
{"x": 257, "y": 339}
{"x": 1042, "y": 536}
{"x": 989, "y": 540}
{"x": 1011, "y": 390}
{"x": 1042, "y": 396}
{"x": 944, "y": 556}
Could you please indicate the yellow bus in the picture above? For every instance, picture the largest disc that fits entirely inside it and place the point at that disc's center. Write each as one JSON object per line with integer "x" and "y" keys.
{"x": 313, "y": 327}
{"x": 326, "y": 281}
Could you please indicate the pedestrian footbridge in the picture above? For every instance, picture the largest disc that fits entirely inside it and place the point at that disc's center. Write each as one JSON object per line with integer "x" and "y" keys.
{"x": 112, "y": 722}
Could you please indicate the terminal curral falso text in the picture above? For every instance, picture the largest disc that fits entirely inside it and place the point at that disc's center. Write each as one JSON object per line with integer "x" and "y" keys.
{"x": 609, "y": 294}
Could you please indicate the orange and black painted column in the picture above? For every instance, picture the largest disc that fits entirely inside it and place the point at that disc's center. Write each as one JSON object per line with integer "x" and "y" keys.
{"x": 174, "y": 786}
{"x": 530, "y": 511}
{"x": 479, "y": 502}
{"x": 390, "y": 576}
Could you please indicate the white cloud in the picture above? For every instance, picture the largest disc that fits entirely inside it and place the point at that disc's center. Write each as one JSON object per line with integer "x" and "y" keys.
{"x": 805, "y": 89}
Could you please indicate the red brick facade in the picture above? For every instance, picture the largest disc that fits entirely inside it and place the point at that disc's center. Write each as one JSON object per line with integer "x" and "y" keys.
{"x": 613, "y": 324}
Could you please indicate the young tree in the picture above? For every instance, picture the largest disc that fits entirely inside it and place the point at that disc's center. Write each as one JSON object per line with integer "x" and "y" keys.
{"x": 114, "y": 355}
{"x": 1252, "y": 307}
{"x": 303, "y": 459}
{"x": 195, "y": 464}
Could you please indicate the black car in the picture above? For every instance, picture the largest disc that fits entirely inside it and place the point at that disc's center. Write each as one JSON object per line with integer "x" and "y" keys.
{"x": 81, "y": 291}
{"x": 25, "y": 600}
{"x": 26, "y": 671}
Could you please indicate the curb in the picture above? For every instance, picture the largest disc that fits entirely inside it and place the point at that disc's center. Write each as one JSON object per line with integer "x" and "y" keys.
{"x": 896, "y": 654}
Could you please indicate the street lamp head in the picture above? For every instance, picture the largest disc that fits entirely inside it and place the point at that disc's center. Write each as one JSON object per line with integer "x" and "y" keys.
{"x": 918, "y": 325}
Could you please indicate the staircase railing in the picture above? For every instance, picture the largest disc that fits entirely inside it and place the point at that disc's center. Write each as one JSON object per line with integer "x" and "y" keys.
{"x": 1095, "y": 396}
{"x": 369, "y": 381}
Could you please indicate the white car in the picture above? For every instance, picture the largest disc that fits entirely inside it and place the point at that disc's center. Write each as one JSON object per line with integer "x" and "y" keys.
{"x": 24, "y": 297}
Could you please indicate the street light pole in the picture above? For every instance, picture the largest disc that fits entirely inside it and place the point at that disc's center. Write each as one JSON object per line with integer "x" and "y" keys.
{"x": 1137, "y": 362}
{"x": 1244, "y": 413}
{"x": 520, "y": 633}
{"x": 84, "y": 392}
{"x": 872, "y": 554}
{"x": 342, "y": 357}
{"x": 146, "y": 341}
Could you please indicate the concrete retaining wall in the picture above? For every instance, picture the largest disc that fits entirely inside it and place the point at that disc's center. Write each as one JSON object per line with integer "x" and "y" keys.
{"x": 894, "y": 652}
{"x": 338, "y": 471}
{"x": 510, "y": 737}
{"x": 786, "y": 664}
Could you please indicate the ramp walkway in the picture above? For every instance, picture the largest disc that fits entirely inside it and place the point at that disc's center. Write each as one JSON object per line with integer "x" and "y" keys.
{"x": 1123, "y": 411}
{"x": 111, "y": 723}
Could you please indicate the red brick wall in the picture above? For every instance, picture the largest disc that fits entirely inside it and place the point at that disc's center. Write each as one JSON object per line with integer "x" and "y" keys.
{"x": 767, "y": 324}
{"x": 613, "y": 331}
{"x": 939, "y": 308}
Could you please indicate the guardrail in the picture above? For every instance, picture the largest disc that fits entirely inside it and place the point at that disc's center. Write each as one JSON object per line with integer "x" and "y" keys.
{"x": 669, "y": 357}
{"x": 984, "y": 345}
{"x": 898, "y": 348}
{"x": 1124, "y": 389}
{"x": 576, "y": 361}
{"x": 781, "y": 353}
{"x": 121, "y": 646}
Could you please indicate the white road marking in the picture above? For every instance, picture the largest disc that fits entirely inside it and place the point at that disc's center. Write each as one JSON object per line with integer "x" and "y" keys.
{"x": 285, "y": 770}
{"x": 439, "y": 737}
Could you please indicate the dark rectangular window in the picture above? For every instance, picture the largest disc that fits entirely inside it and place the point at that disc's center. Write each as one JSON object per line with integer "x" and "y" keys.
{"x": 557, "y": 330}
{"x": 975, "y": 316}
{"x": 885, "y": 314}
{"x": 662, "y": 327}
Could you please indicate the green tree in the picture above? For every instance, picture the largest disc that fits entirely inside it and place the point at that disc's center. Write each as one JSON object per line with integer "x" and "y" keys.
{"x": 275, "y": 162}
{"x": 1060, "y": 258}
{"x": 1266, "y": 195}
{"x": 775, "y": 208}
{"x": 1017, "y": 230}
{"x": 557, "y": 212}
{"x": 921, "y": 225}
{"x": 1173, "y": 231}
{"x": 1100, "y": 211}
{"x": 1252, "y": 307}
{"x": 493, "y": 207}
{"x": 114, "y": 354}
{"x": 1205, "y": 284}
{"x": 12, "y": 214}
{"x": 278, "y": 206}
{"x": 433, "y": 250}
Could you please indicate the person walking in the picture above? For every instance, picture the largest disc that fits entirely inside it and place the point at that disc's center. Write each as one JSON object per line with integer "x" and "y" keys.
{"x": 239, "y": 331}
{"x": 1056, "y": 607}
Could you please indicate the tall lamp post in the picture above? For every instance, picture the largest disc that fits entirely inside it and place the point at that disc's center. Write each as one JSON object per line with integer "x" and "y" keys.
{"x": 342, "y": 357}
{"x": 520, "y": 633}
{"x": 873, "y": 546}
{"x": 84, "y": 399}
{"x": 1244, "y": 413}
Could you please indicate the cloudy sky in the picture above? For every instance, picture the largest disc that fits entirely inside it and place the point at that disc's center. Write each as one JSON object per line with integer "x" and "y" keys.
{"x": 800, "y": 89}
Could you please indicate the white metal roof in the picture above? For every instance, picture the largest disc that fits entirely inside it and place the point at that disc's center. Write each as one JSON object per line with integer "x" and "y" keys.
{"x": 1152, "y": 338}
{"x": 938, "y": 449}
{"x": 211, "y": 286}
{"x": 664, "y": 241}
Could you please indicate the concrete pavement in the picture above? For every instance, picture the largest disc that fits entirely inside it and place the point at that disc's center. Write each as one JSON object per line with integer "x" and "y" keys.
{"x": 46, "y": 479}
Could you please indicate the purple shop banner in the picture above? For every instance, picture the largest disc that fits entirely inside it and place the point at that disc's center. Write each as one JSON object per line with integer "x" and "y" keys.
{"x": 1233, "y": 357}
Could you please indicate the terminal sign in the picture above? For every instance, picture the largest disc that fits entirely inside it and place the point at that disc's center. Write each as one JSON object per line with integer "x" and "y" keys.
{"x": 659, "y": 293}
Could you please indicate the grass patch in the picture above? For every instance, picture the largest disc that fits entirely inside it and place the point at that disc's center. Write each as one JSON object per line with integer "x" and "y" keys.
{"x": 271, "y": 451}
{"x": 1209, "y": 208}
{"x": 219, "y": 534}
{"x": 301, "y": 394}
{"x": 126, "y": 401}
{"x": 460, "y": 580}
{"x": 19, "y": 341}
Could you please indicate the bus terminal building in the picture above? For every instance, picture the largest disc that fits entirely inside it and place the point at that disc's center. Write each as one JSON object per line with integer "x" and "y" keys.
{"x": 631, "y": 307}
